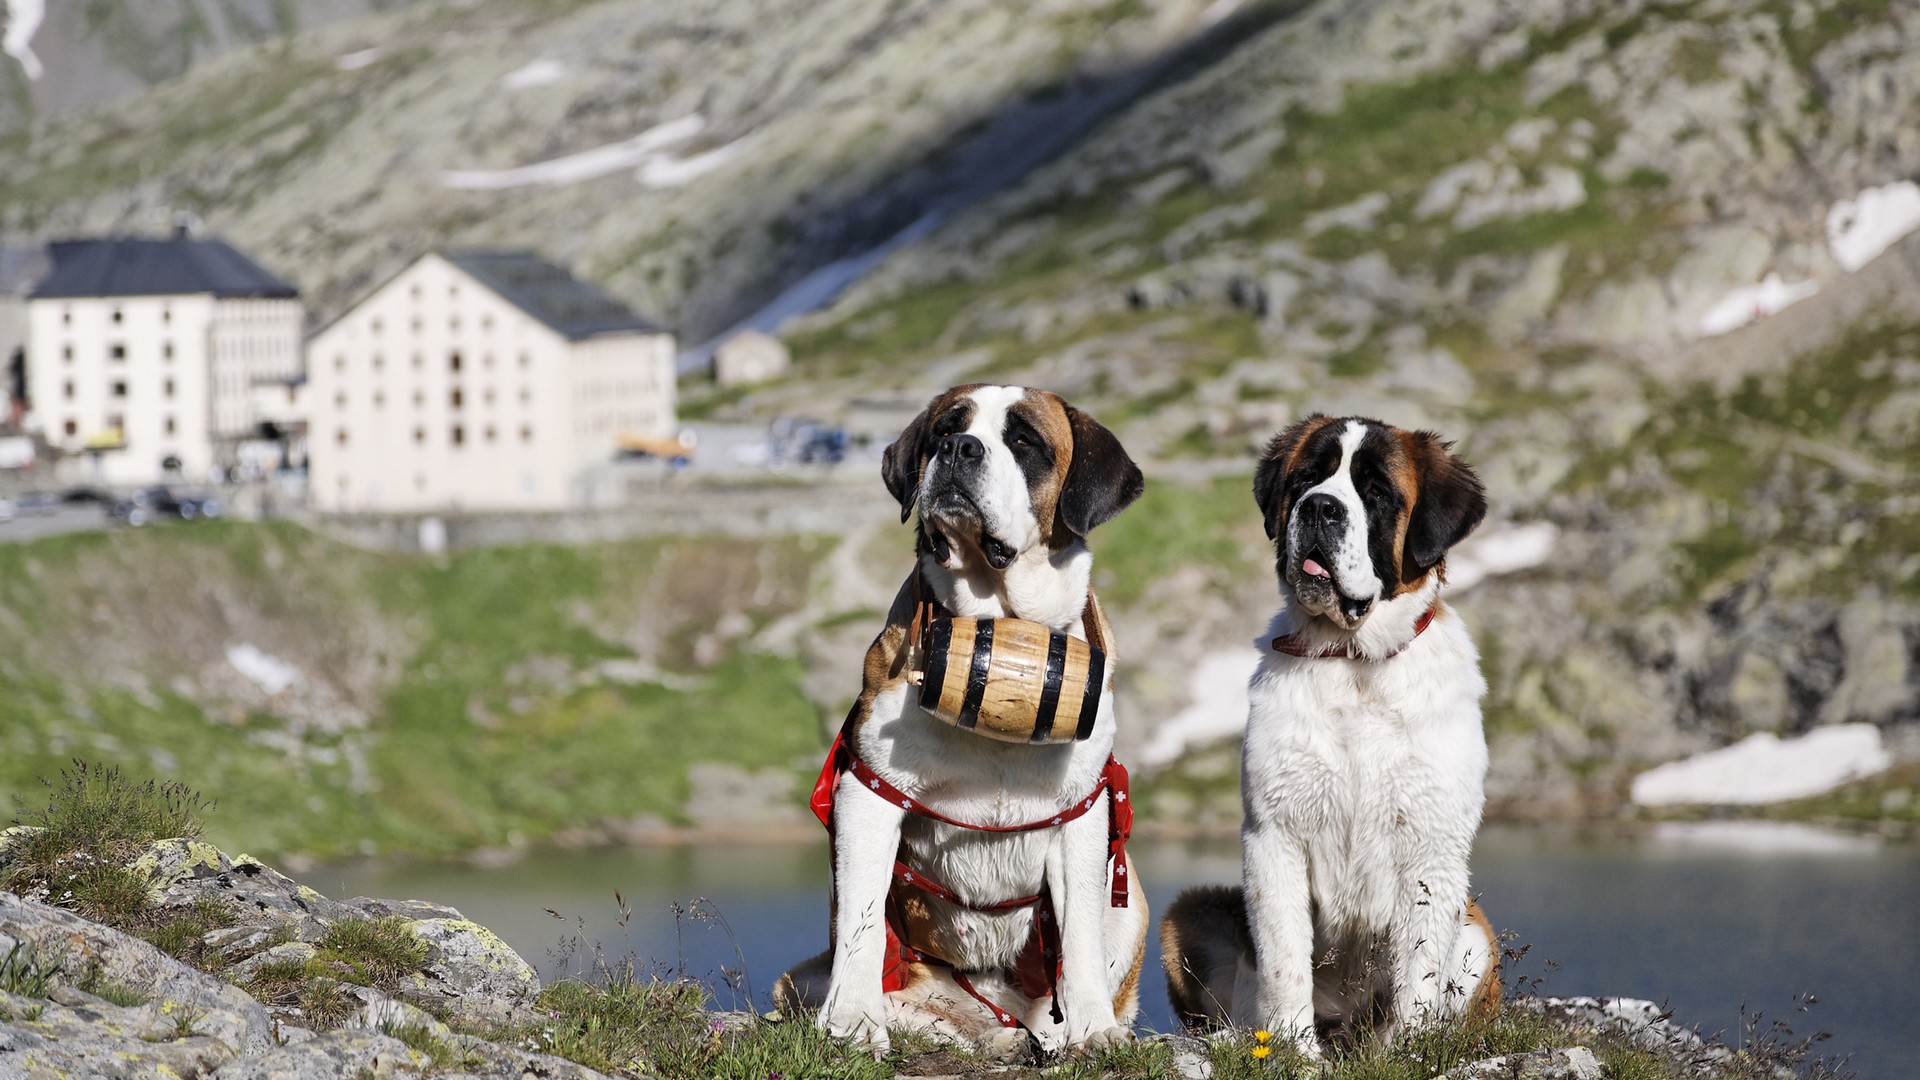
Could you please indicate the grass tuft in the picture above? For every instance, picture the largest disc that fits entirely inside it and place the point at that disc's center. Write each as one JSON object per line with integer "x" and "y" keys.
{"x": 95, "y": 823}
{"x": 306, "y": 985}
{"x": 376, "y": 952}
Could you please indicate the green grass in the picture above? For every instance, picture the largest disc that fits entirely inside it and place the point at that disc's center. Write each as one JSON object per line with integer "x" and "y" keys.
{"x": 440, "y": 1054}
{"x": 469, "y": 685}
{"x": 308, "y": 985}
{"x": 26, "y": 973}
{"x": 94, "y": 823}
{"x": 1212, "y": 528}
{"x": 376, "y": 952}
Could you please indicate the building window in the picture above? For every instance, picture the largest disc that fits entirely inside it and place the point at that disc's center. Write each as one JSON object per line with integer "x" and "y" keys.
{"x": 419, "y": 361}
{"x": 166, "y": 350}
{"x": 453, "y": 361}
{"x": 169, "y": 425}
{"x": 340, "y": 362}
{"x": 526, "y": 433}
{"x": 420, "y": 436}
{"x": 66, "y": 353}
{"x": 490, "y": 433}
{"x": 72, "y": 428}
{"x": 488, "y": 396}
{"x": 340, "y": 436}
{"x": 117, "y": 352}
{"x": 457, "y": 397}
{"x": 379, "y": 362}
{"x": 415, "y": 291}
{"x": 379, "y": 399}
{"x": 167, "y": 387}
{"x": 340, "y": 400}
{"x": 378, "y": 326}
{"x": 120, "y": 388}
{"x": 416, "y": 324}
{"x": 459, "y": 435}
{"x": 526, "y": 395}
{"x": 525, "y": 361}
{"x": 486, "y": 324}
{"x": 453, "y": 322}
{"x": 68, "y": 390}
{"x": 166, "y": 316}
{"x": 419, "y": 399}
{"x": 66, "y": 319}
{"x": 117, "y": 422}
{"x": 117, "y": 318}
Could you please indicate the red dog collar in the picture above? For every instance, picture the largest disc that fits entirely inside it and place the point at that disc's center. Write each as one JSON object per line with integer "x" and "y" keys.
{"x": 1295, "y": 645}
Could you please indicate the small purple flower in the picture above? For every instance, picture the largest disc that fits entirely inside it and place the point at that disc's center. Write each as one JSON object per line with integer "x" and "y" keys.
{"x": 716, "y": 1027}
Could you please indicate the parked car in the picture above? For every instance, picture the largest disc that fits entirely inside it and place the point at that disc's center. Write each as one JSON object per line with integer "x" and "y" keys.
{"x": 37, "y": 503}
{"x": 6, "y": 510}
{"x": 155, "y": 504}
{"x": 808, "y": 442}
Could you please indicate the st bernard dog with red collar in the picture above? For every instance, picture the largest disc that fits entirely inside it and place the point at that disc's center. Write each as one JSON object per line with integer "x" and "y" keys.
{"x": 1364, "y": 758}
{"x": 973, "y": 892}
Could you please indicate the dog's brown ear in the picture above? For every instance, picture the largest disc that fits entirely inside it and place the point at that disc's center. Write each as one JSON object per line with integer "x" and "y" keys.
{"x": 1101, "y": 479}
{"x": 1450, "y": 503}
{"x": 1269, "y": 480}
{"x": 904, "y": 458}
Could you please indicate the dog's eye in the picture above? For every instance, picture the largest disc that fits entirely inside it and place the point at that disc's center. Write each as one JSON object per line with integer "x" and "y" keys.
{"x": 1022, "y": 441}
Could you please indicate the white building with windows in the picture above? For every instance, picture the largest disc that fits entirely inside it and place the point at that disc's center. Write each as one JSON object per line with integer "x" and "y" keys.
{"x": 480, "y": 381}
{"x": 142, "y": 355}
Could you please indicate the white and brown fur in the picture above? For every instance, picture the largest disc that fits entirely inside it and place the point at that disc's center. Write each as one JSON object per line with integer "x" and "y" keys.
{"x": 1007, "y": 482}
{"x": 1362, "y": 778}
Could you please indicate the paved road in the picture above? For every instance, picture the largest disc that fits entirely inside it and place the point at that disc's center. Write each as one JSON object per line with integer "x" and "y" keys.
{"x": 78, "y": 517}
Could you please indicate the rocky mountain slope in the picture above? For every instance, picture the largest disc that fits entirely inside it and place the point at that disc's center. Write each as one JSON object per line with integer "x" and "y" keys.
{"x": 59, "y": 58}
{"x": 694, "y": 159}
{"x": 1545, "y": 230}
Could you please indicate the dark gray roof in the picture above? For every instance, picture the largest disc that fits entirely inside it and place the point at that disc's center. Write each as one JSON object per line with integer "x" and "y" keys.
{"x": 21, "y": 268}
{"x": 138, "y": 266}
{"x": 567, "y": 305}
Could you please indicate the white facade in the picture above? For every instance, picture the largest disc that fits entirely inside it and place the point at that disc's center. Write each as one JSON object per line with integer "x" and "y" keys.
{"x": 128, "y": 383}
{"x": 436, "y": 393}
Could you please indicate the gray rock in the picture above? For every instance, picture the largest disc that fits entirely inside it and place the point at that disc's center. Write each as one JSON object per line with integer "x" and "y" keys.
{"x": 1570, "y": 1063}
{"x": 336, "y": 1055}
{"x": 184, "y": 872}
{"x": 474, "y": 974}
{"x": 86, "y": 1037}
{"x": 171, "y": 985}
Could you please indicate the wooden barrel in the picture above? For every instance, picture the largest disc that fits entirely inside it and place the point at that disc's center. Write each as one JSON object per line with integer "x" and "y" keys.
{"x": 1012, "y": 680}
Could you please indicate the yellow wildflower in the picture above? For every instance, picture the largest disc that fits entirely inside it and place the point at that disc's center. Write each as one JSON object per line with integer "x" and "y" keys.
{"x": 1262, "y": 1051}
{"x": 1263, "y": 1036}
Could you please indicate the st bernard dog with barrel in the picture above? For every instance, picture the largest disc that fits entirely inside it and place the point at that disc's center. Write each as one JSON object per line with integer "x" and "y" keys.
{"x": 981, "y": 890}
{"x": 1364, "y": 759}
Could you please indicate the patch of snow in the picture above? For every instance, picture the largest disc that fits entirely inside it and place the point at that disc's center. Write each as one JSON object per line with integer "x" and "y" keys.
{"x": 541, "y": 72}
{"x": 1754, "y": 302}
{"x": 1860, "y": 228}
{"x": 1219, "y": 709}
{"x": 661, "y": 172}
{"x": 1502, "y": 551}
{"x": 354, "y": 61}
{"x": 270, "y": 673}
{"x": 23, "y": 21}
{"x": 1763, "y": 838}
{"x": 585, "y": 165}
{"x": 1764, "y": 768}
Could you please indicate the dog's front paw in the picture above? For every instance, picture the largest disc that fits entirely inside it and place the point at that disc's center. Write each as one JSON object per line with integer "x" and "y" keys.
{"x": 1096, "y": 1042}
{"x": 864, "y": 1028}
{"x": 1007, "y": 1046}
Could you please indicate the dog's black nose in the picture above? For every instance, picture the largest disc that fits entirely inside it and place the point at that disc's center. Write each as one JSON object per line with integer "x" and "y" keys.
{"x": 963, "y": 447}
{"x": 1322, "y": 510}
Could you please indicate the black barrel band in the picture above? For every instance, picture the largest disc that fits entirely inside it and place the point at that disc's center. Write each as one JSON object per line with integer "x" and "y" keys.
{"x": 1050, "y": 690}
{"x": 977, "y": 678}
{"x": 1090, "y": 703}
{"x": 939, "y": 640}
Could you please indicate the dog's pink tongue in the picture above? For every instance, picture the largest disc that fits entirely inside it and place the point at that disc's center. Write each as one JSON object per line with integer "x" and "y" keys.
{"x": 1314, "y": 569}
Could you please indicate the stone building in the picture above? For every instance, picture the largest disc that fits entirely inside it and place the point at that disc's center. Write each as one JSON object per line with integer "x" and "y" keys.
{"x": 142, "y": 355}
{"x": 480, "y": 381}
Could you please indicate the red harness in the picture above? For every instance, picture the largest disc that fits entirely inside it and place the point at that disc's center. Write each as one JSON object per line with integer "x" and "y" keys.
{"x": 1295, "y": 645}
{"x": 1038, "y": 968}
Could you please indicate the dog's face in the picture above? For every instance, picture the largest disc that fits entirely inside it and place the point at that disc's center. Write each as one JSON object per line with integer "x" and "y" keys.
{"x": 998, "y": 470}
{"x": 1361, "y": 511}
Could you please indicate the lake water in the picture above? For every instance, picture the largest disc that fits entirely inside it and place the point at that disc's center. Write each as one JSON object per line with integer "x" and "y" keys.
{"x": 1706, "y": 918}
